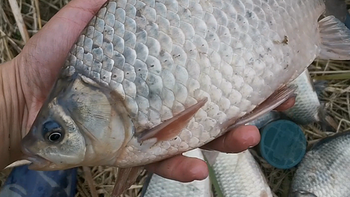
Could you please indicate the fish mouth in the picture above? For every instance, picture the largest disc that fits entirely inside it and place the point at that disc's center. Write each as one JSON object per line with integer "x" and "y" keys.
{"x": 36, "y": 162}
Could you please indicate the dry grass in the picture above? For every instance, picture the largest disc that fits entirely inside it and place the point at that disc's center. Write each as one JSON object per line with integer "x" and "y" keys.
{"x": 33, "y": 14}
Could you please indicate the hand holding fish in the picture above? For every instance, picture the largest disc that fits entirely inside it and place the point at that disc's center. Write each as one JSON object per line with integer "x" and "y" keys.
{"x": 26, "y": 81}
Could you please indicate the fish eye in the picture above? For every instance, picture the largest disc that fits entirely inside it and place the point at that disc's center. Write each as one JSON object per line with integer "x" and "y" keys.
{"x": 52, "y": 131}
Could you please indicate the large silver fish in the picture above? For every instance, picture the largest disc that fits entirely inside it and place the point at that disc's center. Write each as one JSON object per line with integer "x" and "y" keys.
{"x": 238, "y": 175}
{"x": 158, "y": 186}
{"x": 324, "y": 171}
{"x": 151, "y": 79}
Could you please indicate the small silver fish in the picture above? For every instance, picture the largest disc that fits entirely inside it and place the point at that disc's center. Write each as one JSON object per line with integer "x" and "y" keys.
{"x": 238, "y": 175}
{"x": 149, "y": 79}
{"x": 324, "y": 171}
{"x": 162, "y": 187}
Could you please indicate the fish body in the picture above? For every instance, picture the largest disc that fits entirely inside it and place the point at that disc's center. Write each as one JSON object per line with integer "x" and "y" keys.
{"x": 324, "y": 171}
{"x": 151, "y": 79}
{"x": 159, "y": 186}
{"x": 238, "y": 175}
{"x": 307, "y": 107}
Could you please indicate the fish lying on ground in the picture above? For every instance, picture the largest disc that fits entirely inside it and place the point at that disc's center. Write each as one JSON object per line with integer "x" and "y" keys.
{"x": 308, "y": 108}
{"x": 158, "y": 186}
{"x": 324, "y": 171}
{"x": 148, "y": 79}
{"x": 234, "y": 166}
{"x": 237, "y": 175}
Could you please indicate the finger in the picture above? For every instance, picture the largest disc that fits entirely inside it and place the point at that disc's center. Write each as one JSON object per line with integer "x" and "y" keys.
{"x": 236, "y": 140}
{"x": 45, "y": 53}
{"x": 286, "y": 105}
{"x": 180, "y": 168}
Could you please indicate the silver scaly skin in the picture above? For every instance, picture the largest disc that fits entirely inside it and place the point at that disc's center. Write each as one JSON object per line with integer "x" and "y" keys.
{"x": 324, "y": 171}
{"x": 238, "y": 175}
{"x": 151, "y": 79}
{"x": 161, "y": 187}
{"x": 307, "y": 105}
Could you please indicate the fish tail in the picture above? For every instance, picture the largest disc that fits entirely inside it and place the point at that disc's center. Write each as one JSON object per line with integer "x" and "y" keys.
{"x": 319, "y": 87}
{"x": 334, "y": 33}
{"x": 326, "y": 122}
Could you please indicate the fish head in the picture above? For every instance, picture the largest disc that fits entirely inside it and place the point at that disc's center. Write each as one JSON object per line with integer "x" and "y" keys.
{"x": 79, "y": 125}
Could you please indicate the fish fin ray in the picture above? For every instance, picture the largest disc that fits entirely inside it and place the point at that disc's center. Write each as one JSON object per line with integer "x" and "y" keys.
{"x": 320, "y": 86}
{"x": 326, "y": 122}
{"x": 125, "y": 178}
{"x": 172, "y": 127}
{"x": 335, "y": 39}
{"x": 210, "y": 156}
{"x": 275, "y": 100}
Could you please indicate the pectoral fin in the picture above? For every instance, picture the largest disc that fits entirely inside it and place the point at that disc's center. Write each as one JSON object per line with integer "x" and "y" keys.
{"x": 172, "y": 127}
{"x": 125, "y": 178}
{"x": 275, "y": 100}
{"x": 335, "y": 39}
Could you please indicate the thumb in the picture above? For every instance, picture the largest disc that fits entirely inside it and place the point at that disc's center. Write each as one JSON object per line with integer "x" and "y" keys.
{"x": 44, "y": 55}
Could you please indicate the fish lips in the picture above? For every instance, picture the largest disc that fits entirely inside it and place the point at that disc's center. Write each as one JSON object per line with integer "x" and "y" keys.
{"x": 37, "y": 162}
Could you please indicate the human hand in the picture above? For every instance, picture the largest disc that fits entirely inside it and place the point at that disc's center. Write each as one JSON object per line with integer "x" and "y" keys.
{"x": 29, "y": 77}
{"x": 187, "y": 169}
{"x": 26, "y": 80}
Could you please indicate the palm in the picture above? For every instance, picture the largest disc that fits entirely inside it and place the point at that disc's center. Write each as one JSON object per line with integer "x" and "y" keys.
{"x": 44, "y": 55}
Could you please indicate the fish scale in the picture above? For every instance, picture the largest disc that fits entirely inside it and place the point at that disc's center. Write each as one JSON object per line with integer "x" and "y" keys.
{"x": 237, "y": 175}
{"x": 324, "y": 171}
{"x": 148, "y": 80}
{"x": 162, "y": 57}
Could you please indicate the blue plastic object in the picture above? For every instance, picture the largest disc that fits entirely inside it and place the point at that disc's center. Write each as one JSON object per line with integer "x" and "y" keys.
{"x": 23, "y": 182}
{"x": 283, "y": 144}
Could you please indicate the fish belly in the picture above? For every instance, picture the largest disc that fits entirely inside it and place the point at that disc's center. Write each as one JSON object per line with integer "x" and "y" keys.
{"x": 239, "y": 175}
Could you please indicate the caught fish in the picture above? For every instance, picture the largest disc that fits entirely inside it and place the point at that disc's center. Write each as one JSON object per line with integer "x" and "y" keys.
{"x": 324, "y": 171}
{"x": 148, "y": 79}
{"x": 237, "y": 175}
{"x": 158, "y": 186}
{"x": 308, "y": 108}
